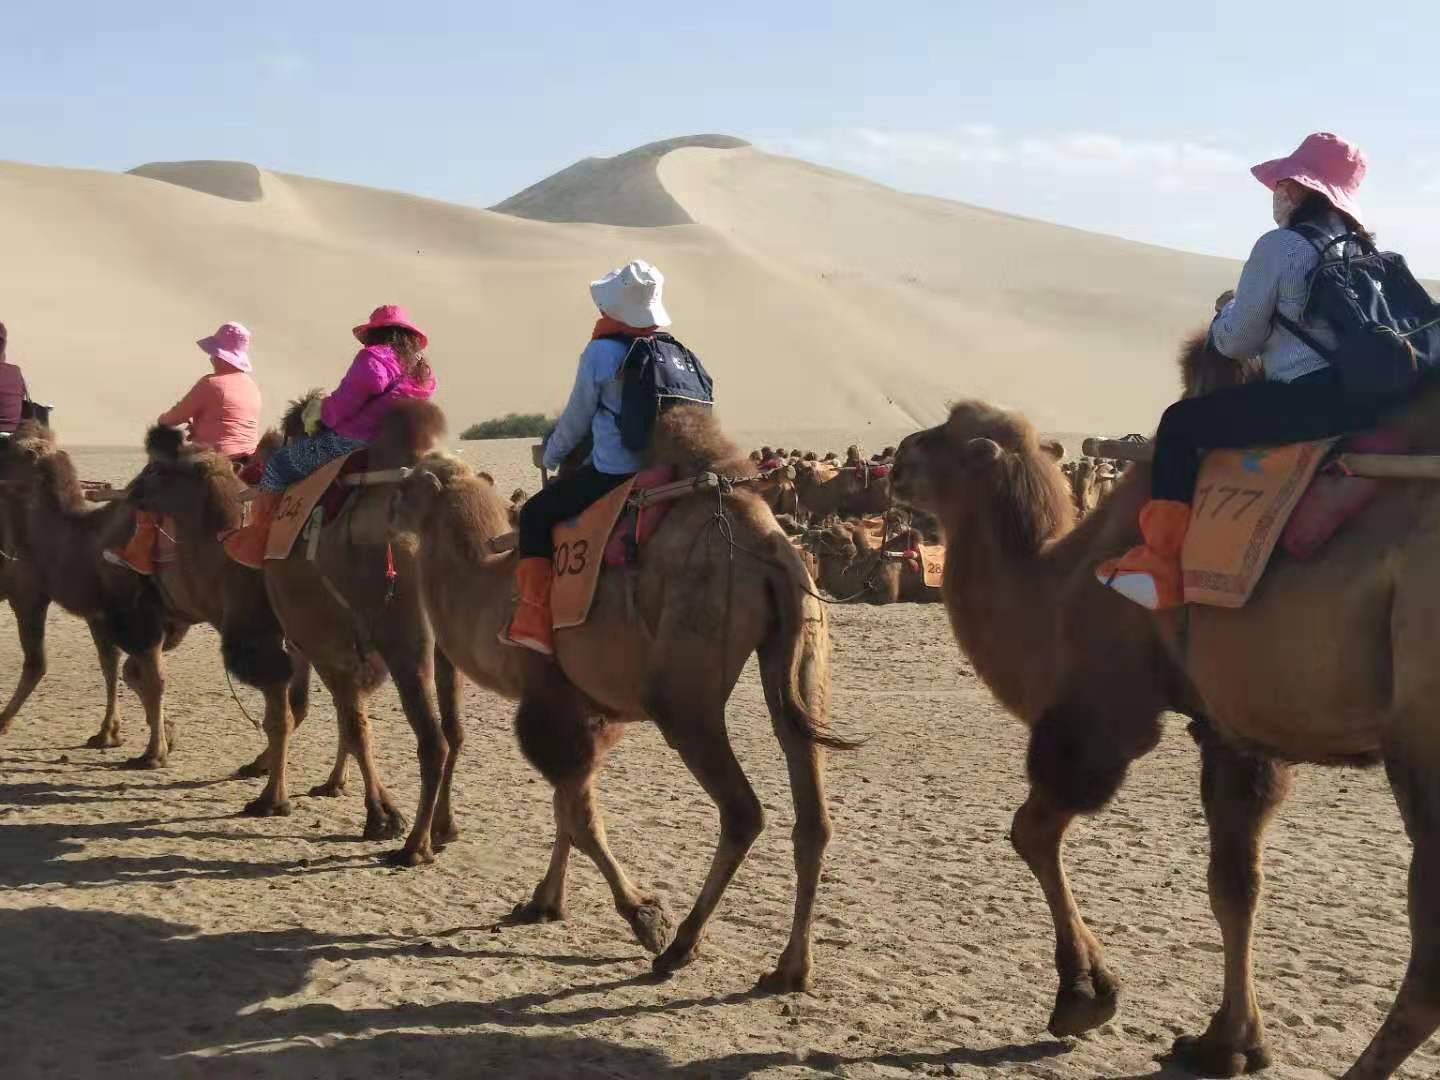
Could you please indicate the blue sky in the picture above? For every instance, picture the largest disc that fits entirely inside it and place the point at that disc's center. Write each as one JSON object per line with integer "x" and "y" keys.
{"x": 1133, "y": 118}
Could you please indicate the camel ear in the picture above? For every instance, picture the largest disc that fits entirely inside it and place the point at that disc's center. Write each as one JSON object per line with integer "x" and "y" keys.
{"x": 1054, "y": 448}
{"x": 435, "y": 482}
{"x": 983, "y": 450}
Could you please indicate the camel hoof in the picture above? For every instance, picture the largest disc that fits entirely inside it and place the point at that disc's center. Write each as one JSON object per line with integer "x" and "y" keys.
{"x": 1196, "y": 1054}
{"x": 652, "y": 926}
{"x": 531, "y": 913}
{"x": 674, "y": 958}
{"x": 446, "y": 834}
{"x": 328, "y": 790}
{"x": 1084, "y": 1005}
{"x": 781, "y": 981}
{"x": 263, "y": 807}
{"x": 386, "y": 824}
{"x": 103, "y": 740}
{"x": 408, "y": 859}
{"x": 253, "y": 770}
{"x": 144, "y": 761}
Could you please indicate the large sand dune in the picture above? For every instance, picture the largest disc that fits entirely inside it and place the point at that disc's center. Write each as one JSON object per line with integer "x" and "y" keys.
{"x": 818, "y": 299}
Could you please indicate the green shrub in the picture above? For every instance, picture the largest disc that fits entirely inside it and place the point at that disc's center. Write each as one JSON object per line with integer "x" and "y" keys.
{"x": 511, "y": 426}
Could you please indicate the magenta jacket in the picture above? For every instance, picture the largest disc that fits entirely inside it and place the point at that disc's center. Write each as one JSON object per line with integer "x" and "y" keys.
{"x": 369, "y": 390}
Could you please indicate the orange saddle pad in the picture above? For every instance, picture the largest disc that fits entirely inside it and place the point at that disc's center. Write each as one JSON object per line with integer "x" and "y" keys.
{"x": 296, "y": 506}
{"x": 579, "y": 557}
{"x": 1242, "y": 502}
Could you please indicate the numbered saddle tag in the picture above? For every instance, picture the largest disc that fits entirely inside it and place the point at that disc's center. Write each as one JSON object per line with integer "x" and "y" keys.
{"x": 579, "y": 556}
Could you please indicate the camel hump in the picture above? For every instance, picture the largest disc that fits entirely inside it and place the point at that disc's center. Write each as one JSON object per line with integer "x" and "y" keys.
{"x": 690, "y": 440}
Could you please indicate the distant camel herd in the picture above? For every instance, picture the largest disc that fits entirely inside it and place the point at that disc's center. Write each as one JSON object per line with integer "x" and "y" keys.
{"x": 1326, "y": 664}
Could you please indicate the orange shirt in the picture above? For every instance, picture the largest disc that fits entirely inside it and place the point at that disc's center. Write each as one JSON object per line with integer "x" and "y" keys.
{"x": 223, "y": 411}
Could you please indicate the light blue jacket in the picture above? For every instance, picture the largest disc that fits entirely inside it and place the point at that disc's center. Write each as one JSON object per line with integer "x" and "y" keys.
{"x": 593, "y": 407}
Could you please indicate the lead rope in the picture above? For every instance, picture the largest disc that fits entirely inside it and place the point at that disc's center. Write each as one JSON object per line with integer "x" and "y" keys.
{"x": 244, "y": 711}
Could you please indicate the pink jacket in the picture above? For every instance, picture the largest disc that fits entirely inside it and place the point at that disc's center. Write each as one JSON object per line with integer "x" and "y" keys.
{"x": 370, "y": 389}
{"x": 223, "y": 411}
{"x": 12, "y": 394}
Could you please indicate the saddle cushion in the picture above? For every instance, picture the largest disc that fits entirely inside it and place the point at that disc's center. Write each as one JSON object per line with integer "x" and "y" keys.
{"x": 1334, "y": 498}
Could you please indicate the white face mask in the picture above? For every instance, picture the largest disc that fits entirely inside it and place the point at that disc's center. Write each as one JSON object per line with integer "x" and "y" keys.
{"x": 1283, "y": 204}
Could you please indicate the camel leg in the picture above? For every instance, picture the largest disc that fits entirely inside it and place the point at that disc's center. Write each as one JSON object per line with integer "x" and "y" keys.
{"x": 274, "y": 800}
{"x": 145, "y": 673}
{"x": 299, "y": 694}
{"x": 30, "y": 622}
{"x": 810, "y": 837}
{"x": 108, "y": 654}
{"x": 702, "y": 743}
{"x": 418, "y": 698}
{"x": 447, "y": 692}
{"x": 1412, "y": 768}
{"x": 345, "y": 742}
{"x": 383, "y": 819}
{"x": 1241, "y": 794}
{"x": 568, "y": 748}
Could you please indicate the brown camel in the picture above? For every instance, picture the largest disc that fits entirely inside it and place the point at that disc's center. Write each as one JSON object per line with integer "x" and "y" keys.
{"x": 22, "y": 586}
{"x": 665, "y": 644}
{"x": 199, "y": 491}
{"x": 1328, "y": 663}
{"x": 820, "y": 490}
{"x": 60, "y": 537}
{"x": 851, "y": 566}
{"x": 355, "y": 623}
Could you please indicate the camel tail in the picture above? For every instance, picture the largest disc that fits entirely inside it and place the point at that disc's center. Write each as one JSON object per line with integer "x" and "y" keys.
{"x": 795, "y": 659}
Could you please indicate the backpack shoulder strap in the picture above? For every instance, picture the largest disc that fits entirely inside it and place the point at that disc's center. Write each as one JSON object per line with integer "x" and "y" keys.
{"x": 1305, "y": 336}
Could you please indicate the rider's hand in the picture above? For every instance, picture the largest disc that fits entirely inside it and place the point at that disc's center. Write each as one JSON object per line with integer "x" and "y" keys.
{"x": 1223, "y": 299}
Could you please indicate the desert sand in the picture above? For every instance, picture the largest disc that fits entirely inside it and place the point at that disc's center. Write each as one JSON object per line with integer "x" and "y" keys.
{"x": 150, "y": 932}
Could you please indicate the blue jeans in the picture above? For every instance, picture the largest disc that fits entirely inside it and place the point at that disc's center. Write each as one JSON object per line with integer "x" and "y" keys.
{"x": 293, "y": 463}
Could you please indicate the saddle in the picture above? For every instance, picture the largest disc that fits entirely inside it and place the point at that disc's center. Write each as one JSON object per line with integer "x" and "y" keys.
{"x": 316, "y": 501}
{"x": 1248, "y": 502}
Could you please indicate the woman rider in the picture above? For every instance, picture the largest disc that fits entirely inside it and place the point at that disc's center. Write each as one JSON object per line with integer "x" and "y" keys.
{"x": 1300, "y": 398}
{"x": 631, "y": 305}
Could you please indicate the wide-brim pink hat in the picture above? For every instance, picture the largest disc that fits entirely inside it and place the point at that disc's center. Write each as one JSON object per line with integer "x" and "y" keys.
{"x": 1325, "y": 163}
{"x": 230, "y": 345}
{"x": 391, "y": 315}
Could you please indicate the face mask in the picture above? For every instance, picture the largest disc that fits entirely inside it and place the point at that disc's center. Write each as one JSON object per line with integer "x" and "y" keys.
{"x": 1283, "y": 205}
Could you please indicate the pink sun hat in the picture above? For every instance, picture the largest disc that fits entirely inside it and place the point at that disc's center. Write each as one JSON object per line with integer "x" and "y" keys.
{"x": 1325, "y": 163}
{"x": 390, "y": 315}
{"x": 230, "y": 345}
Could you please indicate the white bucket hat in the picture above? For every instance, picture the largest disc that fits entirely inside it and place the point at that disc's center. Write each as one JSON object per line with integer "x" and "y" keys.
{"x": 632, "y": 295}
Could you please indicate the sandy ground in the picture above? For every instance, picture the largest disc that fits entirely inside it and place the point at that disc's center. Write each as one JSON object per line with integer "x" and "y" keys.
{"x": 150, "y": 932}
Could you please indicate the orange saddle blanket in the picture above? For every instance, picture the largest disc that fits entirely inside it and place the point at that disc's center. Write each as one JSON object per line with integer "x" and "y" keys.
{"x": 609, "y": 532}
{"x": 305, "y": 500}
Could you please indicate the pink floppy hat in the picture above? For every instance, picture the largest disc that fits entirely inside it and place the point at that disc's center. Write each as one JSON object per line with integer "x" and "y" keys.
{"x": 391, "y": 315}
{"x": 1325, "y": 163}
{"x": 230, "y": 345}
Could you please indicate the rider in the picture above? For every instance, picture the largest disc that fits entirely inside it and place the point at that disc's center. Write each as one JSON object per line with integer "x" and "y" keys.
{"x": 221, "y": 411}
{"x": 12, "y": 390}
{"x": 1300, "y": 398}
{"x": 389, "y": 369}
{"x": 630, "y": 303}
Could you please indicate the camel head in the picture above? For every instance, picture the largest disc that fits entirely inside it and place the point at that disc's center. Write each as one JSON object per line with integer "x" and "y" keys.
{"x": 443, "y": 479}
{"x": 181, "y": 478}
{"x": 1203, "y": 370}
{"x": 21, "y": 455}
{"x": 985, "y": 462}
{"x": 292, "y": 424}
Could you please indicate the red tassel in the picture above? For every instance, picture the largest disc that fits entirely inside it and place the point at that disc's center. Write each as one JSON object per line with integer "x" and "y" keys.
{"x": 390, "y": 573}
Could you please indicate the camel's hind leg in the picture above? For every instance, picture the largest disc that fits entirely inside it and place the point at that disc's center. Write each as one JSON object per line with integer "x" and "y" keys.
{"x": 108, "y": 653}
{"x": 145, "y": 674}
{"x": 568, "y": 747}
{"x": 1413, "y": 768}
{"x": 30, "y": 621}
{"x": 383, "y": 819}
{"x": 415, "y": 683}
{"x": 1241, "y": 794}
{"x": 274, "y": 800}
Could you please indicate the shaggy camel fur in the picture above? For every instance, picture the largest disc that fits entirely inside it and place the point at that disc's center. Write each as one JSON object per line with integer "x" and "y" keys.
{"x": 355, "y": 624}
{"x": 666, "y": 644}
{"x": 198, "y": 489}
{"x": 22, "y": 586}
{"x": 1330, "y": 662}
{"x": 61, "y": 537}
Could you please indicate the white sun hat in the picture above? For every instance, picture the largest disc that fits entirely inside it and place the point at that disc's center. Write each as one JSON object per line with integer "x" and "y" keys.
{"x": 632, "y": 295}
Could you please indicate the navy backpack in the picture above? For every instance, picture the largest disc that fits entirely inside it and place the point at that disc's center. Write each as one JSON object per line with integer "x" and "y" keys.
{"x": 1386, "y": 326}
{"x": 659, "y": 373}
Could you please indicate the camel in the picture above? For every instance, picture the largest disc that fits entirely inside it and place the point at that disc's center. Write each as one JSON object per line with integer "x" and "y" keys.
{"x": 666, "y": 644}
{"x": 199, "y": 491}
{"x": 62, "y": 537}
{"x": 851, "y": 566}
{"x": 1328, "y": 663}
{"x": 355, "y": 623}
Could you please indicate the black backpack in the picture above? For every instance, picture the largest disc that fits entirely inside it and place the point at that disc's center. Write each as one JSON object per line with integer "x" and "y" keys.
{"x": 658, "y": 373}
{"x": 1386, "y": 326}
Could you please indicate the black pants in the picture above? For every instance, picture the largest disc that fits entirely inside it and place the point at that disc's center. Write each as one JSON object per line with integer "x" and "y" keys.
{"x": 1256, "y": 414}
{"x": 562, "y": 500}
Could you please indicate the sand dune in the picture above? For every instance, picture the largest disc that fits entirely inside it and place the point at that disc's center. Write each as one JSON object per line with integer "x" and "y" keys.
{"x": 818, "y": 299}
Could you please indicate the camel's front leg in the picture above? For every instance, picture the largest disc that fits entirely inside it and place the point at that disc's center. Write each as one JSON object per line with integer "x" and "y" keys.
{"x": 30, "y": 621}
{"x": 1241, "y": 795}
{"x": 145, "y": 674}
{"x": 1077, "y": 761}
{"x": 274, "y": 801}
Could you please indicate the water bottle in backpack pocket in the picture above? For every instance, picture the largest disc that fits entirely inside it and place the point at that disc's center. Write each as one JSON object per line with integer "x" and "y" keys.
{"x": 1386, "y": 326}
